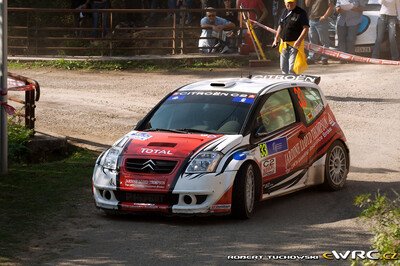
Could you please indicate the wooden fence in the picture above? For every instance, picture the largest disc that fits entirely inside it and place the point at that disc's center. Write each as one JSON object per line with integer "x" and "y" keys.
{"x": 60, "y": 32}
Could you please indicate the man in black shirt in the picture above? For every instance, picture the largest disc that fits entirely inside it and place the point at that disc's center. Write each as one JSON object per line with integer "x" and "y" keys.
{"x": 293, "y": 28}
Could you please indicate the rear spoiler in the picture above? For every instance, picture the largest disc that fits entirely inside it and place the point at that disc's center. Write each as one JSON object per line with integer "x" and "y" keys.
{"x": 307, "y": 78}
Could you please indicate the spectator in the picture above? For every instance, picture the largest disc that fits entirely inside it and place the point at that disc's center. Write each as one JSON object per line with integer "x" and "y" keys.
{"x": 260, "y": 16}
{"x": 320, "y": 11}
{"x": 154, "y": 4}
{"x": 78, "y": 17}
{"x": 172, "y": 4}
{"x": 348, "y": 20}
{"x": 211, "y": 3}
{"x": 389, "y": 16}
{"x": 213, "y": 26}
{"x": 230, "y": 15}
{"x": 99, "y": 4}
{"x": 292, "y": 29}
{"x": 133, "y": 19}
{"x": 186, "y": 17}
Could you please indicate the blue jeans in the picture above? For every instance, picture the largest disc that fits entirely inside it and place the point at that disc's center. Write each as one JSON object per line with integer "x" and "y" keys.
{"x": 384, "y": 22}
{"x": 347, "y": 38}
{"x": 288, "y": 56}
{"x": 104, "y": 18}
{"x": 318, "y": 34}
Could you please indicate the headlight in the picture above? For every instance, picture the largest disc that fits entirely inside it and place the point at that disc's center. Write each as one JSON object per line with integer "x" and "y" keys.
{"x": 204, "y": 162}
{"x": 111, "y": 158}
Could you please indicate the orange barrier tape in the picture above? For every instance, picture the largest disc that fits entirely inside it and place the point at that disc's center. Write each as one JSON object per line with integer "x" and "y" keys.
{"x": 29, "y": 87}
{"x": 336, "y": 54}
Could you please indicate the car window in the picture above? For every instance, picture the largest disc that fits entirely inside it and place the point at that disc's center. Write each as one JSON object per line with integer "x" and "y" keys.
{"x": 217, "y": 112}
{"x": 276, "y": 113}
{"x": 310, "y": 102}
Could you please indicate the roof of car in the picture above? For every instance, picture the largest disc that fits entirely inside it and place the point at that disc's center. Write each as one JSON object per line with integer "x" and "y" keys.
{"x": 253, "y": 84}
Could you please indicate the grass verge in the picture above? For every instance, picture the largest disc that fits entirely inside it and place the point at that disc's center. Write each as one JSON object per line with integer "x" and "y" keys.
{"x": 33, "y": 196}
{"x": 146, "y": 65}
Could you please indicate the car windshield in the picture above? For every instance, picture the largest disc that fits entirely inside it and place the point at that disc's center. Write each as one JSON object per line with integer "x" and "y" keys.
{"x": 202, "y": 112}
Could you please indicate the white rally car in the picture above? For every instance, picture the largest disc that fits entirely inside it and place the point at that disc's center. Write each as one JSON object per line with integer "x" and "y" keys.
{"x": 218, "y": 146}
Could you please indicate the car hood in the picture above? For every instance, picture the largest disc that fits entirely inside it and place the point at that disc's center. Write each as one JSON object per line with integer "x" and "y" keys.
{"x": 165, "y": 144}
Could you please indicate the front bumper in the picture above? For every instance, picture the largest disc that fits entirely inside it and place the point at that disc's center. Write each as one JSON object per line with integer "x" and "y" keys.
{"x": 192, "y": 194}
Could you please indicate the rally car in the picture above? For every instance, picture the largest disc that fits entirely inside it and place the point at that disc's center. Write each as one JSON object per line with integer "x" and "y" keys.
{"x": 219, "y": 146}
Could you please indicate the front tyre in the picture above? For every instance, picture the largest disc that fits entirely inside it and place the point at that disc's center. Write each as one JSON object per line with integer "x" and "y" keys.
{"x": 336, "y": 166}
{"x": 244, "y": 192}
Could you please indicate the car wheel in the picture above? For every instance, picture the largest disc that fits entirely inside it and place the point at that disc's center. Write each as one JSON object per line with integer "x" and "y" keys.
{"x": 336, "y": 166}
{"x": 244, "y": 192}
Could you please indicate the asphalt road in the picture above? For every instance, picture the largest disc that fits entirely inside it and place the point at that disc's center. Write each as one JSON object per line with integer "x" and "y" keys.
{"x": 100, "y": 106}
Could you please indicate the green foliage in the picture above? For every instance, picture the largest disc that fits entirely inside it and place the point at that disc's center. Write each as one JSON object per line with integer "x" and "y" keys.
{"x": 37, "y": 197}
{"x": 383, "y": 216}
{"x": 129, "y": 64}
{"x": 18, "y": 137}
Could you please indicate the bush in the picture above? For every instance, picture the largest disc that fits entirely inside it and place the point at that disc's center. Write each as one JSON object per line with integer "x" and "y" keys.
{"x": 18, "y": 137}
{"x": 382, "y": 214}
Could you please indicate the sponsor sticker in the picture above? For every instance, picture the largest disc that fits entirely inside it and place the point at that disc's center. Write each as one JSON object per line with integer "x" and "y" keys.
{"x": 221, "y": 207}
{"x": 268, "y": 167}
{"x": 273, "y": 146}
{"x": 141, "y": 135}
{"x": 300, "y": 96}
{"x": 239, "y": 156}
{"x": 146, "y": 183}
{"x": 263, "y": 150}
{"x": 208, "y": 136}
{"x": 156, "y": 151}
{"x": 176, "y": 98}
{"x": 243, "y": 100}
{"x": 277, "y": 145}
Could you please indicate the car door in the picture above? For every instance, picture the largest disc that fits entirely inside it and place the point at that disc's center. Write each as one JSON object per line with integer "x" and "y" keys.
{"x": 278, "y": 132}
{"x": 317, "y": 122}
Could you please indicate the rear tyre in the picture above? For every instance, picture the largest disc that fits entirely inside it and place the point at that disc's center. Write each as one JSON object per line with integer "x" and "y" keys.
{"x": 336, "y": 166}
{"x": 244, "y": 192}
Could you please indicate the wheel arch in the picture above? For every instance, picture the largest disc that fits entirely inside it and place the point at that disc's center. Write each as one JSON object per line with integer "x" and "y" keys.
{"x": 258, "y": 180}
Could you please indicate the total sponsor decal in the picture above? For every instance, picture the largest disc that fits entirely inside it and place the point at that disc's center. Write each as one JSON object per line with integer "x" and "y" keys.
{"x": 156, "y": 151}
{"x": 140, "y": 135}
{"x": 146, "y": 183}
{"x": 319, "y": 131}
{"x": 273, "y": 146}
{"x": 268, "y": 167}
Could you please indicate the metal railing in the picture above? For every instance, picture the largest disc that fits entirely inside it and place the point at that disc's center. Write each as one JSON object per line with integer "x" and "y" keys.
{"x": 42, "y": 31}
{"x": 32, "y": 94}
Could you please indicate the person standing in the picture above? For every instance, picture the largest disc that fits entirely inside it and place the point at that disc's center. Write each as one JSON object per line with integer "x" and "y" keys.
{"x": 292, "y": 29}
{"x": 100, "y": 16}
{"x": 320, "y": 11}
{"x": 348, "y": 20}
{"x": 388, "y": 18}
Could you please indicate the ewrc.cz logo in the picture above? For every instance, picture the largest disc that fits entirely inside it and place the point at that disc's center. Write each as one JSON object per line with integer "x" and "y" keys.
{"x": 360, "y": 254}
